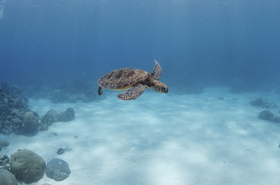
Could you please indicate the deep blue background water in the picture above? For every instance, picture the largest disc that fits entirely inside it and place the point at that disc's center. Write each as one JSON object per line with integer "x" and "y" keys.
{"x": 215, "y": 42}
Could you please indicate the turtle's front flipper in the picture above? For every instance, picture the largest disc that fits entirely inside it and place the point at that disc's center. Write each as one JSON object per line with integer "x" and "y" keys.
{"x": 132, "y": 93}
{"x": 100, "y": 91}
{"x": 156, "y": 71}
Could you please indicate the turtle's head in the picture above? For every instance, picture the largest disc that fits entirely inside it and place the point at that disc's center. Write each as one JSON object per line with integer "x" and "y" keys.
{"x": 160, "y": 87}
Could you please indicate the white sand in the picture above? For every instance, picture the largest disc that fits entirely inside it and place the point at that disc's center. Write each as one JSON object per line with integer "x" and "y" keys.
{"x": 162, "y": 140}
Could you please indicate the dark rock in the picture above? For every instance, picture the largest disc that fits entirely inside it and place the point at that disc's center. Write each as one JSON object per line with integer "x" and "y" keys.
{"x": 63, "y": 117}
{"x": 4, "y": 162}
{"x": 267, "y": 115}
{"x": 263, "y": 104}
{"x": 68, "y": 115}
{"x": 4, "y": 144}
{"x": 50, "y": 117}
{"x": 60, "y": 151}
{"x": 4, "y": 110}
{"x": 277, "y": 120}
{"x": 7, "y": 178}
{"x": 30, "y": 124}
{"x": 257, "y": 103}
{"x": 6, "y": 127}
{"x": 27, "y": 166}
{"x": 57, "y": 169}
{"x": 13, "y": 107}
{"x": 16, "y": 121}
{"x": 17, "y": 103}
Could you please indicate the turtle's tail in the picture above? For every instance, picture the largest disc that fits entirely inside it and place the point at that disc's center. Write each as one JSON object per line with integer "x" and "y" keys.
{"x": 100, "y": 91}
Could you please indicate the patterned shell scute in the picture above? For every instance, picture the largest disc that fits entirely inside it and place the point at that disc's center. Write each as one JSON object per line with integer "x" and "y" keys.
{"x": 122, "y": 78}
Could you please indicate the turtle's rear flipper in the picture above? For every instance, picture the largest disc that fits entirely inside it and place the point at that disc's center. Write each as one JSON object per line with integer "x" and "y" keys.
{"x": 156, "y": 73}
{"x": 100, "y": 91}
{"x": 132, "y": 93}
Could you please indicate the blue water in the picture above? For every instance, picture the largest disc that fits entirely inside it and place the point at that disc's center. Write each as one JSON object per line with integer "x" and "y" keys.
{"x": 204, "y": 42}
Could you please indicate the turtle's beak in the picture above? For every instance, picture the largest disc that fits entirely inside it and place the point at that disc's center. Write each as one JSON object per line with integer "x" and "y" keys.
{"x": 164, "y": 89}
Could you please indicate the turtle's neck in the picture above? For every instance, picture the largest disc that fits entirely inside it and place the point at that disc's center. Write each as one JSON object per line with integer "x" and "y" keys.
{"x": 150, "y": 82}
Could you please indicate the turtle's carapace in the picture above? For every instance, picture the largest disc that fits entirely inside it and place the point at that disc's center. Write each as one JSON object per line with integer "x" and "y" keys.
{"x": 133, "y": 81}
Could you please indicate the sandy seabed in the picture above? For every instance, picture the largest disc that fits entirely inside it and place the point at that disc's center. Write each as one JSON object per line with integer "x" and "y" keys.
{"x": 162, "y": 140}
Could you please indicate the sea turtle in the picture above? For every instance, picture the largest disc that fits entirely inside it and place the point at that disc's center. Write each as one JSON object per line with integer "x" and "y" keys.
{"x": 133, "y": 81}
